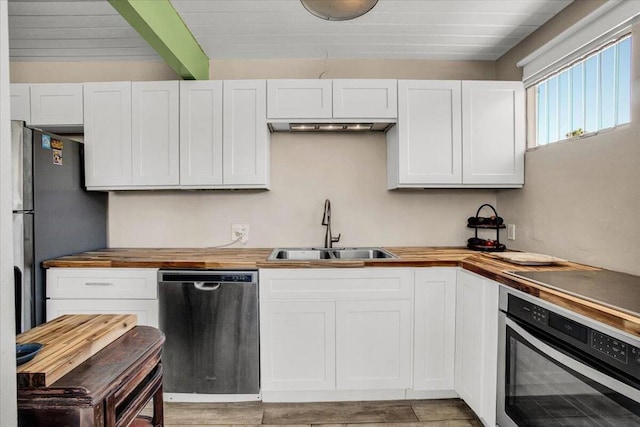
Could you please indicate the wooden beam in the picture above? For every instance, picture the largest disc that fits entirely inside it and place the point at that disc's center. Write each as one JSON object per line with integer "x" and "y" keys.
{"x": 162, "y": 27}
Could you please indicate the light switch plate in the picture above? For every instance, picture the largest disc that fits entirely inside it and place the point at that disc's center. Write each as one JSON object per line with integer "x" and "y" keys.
{"x": 511, "y": 231}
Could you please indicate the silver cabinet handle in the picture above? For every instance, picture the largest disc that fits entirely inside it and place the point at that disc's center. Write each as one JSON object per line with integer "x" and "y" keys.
{"x": 98, "y": 284}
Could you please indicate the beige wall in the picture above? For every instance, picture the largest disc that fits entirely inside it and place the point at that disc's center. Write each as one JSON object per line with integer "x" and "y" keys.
{"x": 348, "y": 169}
{"x": 80, "y": 72}
{"x": 306, "y": 169}
{"x": 581, "y": 199}
{"x": 351, "y": 68}
{"x": 506, "y": 65}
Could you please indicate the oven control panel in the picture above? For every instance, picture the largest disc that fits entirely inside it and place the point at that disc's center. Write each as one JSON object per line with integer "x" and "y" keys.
{"x": 612, "y": 347}
{"x": 588, "y": 341}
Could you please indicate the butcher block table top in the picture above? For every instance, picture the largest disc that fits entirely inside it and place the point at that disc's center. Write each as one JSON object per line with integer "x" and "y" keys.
{"x": 108, "y": 389}
{"x": 477, "y": 262}
{"x": 67, "y": 342}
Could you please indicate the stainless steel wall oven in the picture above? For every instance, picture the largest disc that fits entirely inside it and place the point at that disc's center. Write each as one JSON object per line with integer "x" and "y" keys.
{"x": 558, "y": 368}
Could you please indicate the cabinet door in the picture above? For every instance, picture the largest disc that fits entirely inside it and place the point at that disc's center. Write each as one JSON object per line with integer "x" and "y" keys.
{"x": 20, "y": 102}
{"x": 56, "y": 104}
{"x": 365, "y": 99}
{"x": 146, "y": 310}
{"x": 297, "y": 345}
{"x": 200, "y": 133}
{"x": 373, "y": 344}
{"x": 493, "y": 123}
{"x": 245, "y": 143}
{"x": 429, "y": 133}
{"x": 299, "y": 99}
{"x": 154, "y": 136}
{"x": 434, "y": 329}
{"x": 476, "y": 357}
{"x": 107, "y": 134}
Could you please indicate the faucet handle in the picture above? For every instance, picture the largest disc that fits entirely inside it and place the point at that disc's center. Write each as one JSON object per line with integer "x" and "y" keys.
{"x": 336, "y": 239}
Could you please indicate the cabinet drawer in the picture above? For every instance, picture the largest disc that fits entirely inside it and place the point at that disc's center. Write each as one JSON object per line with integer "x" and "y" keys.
{"x": 336, "y": 284}
{"x": 102, "y": 283}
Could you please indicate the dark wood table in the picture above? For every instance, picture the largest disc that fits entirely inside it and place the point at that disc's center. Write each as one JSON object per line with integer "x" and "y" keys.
{"x": 108, "y": 389}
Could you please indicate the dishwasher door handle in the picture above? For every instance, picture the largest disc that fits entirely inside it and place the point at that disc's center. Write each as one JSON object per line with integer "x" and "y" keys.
{"x": 207, "y": 286}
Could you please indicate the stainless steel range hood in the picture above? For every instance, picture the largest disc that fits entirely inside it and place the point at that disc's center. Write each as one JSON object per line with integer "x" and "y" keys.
{"x": 330, "y": 126}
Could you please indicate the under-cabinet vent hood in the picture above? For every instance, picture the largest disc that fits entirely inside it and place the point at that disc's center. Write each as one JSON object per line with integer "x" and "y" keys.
{"x": 330, "y": 127}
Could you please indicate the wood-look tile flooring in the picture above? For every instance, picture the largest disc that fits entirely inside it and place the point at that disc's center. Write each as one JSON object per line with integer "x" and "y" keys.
{"x": 405, "y": 413}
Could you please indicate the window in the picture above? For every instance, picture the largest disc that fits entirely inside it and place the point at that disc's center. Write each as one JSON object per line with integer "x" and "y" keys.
{"x": 593, "y": 93}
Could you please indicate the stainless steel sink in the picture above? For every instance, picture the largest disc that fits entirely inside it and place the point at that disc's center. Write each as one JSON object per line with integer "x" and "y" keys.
{"x": 311, "y": 254}
{"x": 362, "y": 253}
{"x": 300, "y": 254}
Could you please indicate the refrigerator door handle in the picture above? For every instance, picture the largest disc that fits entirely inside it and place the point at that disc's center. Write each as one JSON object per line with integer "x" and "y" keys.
{"x": 17, "y": 283}
{"x": 17, "y": 156}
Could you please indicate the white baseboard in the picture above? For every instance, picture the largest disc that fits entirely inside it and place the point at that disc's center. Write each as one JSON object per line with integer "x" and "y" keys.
{"x": 332, "y": 395}
{"x": 431, "y": 394}
{"x": 210, "y": 398}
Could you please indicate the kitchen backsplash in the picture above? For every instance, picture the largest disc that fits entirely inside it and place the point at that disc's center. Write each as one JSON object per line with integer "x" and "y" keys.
{"x": 305, "y": 170}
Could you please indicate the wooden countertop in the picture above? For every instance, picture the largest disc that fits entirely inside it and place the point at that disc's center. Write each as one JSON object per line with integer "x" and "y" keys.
{"x": 67, "y": 342}
{"x": 480, "y": 263}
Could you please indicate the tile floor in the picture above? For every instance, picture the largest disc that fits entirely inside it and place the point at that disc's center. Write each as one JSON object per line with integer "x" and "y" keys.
{"x": 405, "y": 413}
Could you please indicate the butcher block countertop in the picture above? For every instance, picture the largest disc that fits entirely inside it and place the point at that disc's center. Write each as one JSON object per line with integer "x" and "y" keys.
{"x": 67, "y": 342}
{"x": 480, "y": 263}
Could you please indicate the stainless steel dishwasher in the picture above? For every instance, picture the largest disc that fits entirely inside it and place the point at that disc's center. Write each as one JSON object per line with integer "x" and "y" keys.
{"x": 210, "y": 319}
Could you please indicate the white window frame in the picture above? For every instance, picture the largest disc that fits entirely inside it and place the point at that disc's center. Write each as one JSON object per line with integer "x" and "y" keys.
{"x": 597, "y": 52}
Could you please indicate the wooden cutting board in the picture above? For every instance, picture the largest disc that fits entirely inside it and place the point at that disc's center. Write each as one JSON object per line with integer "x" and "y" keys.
{"x": 67, "y": 342}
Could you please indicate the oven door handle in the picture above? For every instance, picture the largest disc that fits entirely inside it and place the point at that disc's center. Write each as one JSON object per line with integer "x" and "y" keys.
{"x": 569, "y": 362}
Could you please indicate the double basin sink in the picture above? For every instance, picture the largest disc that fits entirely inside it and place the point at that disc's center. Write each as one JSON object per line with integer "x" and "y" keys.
{"x": 312, "y": 254}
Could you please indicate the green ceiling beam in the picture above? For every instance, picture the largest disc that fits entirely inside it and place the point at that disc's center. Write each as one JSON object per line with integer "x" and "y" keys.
{"x": 161, "y": 26}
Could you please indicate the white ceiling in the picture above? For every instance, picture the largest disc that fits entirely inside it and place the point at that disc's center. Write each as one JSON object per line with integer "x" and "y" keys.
{"x": 47, "y": 30}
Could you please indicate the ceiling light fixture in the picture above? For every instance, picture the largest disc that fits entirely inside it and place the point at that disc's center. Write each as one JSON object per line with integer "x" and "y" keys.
{"x": 338, "y": 10}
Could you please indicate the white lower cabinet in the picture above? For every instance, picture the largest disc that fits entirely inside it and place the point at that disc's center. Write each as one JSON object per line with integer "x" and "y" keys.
{"x": 373, "y": 345}
{"x": 103, "y": 291}
{"x": 299, "y": 345}
{"x": 341, "y": 333}
{"x": 476, "y": 356}
{"x": 434, "y": 333}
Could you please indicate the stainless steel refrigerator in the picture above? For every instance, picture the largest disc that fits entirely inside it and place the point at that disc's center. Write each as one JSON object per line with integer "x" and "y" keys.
{"x": 53, "y": 214}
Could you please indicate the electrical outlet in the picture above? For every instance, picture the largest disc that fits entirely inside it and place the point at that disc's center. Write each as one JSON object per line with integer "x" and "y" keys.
{"x": 241, "y": 232}
{"x": 511, "y": 231}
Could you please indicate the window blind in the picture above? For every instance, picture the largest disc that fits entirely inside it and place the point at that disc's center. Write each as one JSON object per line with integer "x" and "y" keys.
{"x": 601, "y": 26}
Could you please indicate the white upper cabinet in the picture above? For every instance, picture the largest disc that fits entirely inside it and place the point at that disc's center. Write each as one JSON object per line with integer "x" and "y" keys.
{"x": 493, "y": 132}
{"x": 425, "y": 146}
{"x": 200, "y": 133}
{"x": 20, "y": 102}
{"x": 56, "y": 104}
{"x": 332, "y": 100}
{"x": 365, "y": 98}
{"x": 245, "y": 134}
{"x": 299, "y": 99}
{"x": 155, "y": 134}
{"x": 457, "y": 134}
{"x": 107, "y": 134}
